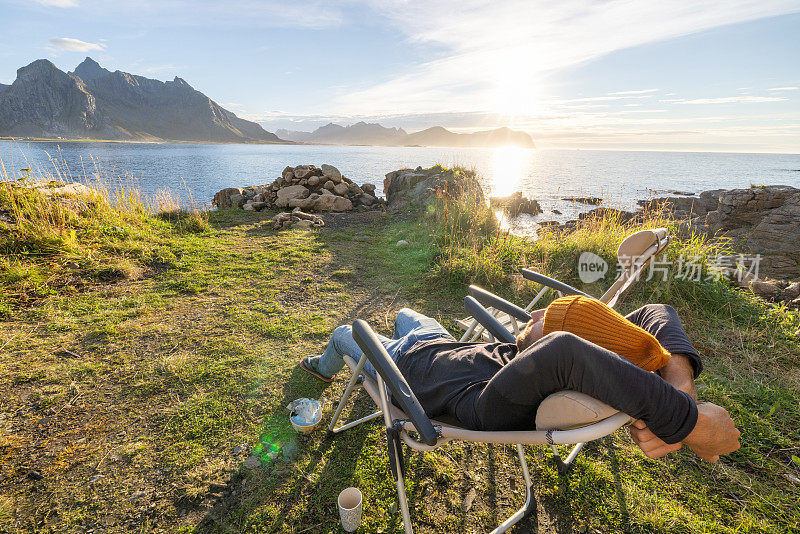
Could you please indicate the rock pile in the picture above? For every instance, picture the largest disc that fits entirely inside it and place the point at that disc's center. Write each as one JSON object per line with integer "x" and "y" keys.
{"x": 515, "y": 203}
{"x": 296, "y": 219}
{"x": 306, "y": 187}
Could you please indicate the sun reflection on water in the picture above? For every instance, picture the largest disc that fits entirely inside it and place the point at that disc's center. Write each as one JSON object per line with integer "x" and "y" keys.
{"x": 509, "y": 167}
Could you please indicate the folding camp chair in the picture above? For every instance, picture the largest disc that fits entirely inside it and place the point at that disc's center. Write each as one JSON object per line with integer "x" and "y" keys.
{"x": 634, "y": 254}
{"x": 406, "y": 422}
{"x": 566, "y": 417}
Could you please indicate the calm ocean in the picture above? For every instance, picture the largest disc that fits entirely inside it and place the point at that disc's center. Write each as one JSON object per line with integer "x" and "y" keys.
{"x": 546, "y": 175}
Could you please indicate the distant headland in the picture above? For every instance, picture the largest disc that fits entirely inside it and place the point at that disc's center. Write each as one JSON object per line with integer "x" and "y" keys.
{"x": 93, "y": 103}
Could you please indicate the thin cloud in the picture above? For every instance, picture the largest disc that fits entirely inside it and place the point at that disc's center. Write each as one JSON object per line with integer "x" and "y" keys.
{"x": 642, "y": 92}
{"x": 75, "y": 45}
{"x": 492, "y": 54}
{"x": 784, "y": 88}
{"x": 58, "y": 3}
{"x": 307, "y": 14}
{"x": 732, "y": 100}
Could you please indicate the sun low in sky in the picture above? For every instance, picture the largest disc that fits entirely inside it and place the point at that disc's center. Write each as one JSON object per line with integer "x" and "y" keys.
{"x": 660, "y": 75}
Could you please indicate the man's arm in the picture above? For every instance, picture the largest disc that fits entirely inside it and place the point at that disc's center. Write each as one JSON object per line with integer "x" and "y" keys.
{"x": 680, "y": 373}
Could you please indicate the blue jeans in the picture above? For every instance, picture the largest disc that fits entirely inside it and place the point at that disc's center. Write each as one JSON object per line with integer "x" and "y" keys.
{"x": 410, "y": 327}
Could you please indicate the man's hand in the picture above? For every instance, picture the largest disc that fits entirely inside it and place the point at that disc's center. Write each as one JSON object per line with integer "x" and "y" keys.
{"x": 651, "y": 445}
{"x": 533, "y": 330}
{"x": 714, "y": 434}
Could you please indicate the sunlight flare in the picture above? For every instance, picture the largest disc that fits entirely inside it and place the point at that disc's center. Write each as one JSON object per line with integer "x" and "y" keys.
{"x": 509, "y": 164}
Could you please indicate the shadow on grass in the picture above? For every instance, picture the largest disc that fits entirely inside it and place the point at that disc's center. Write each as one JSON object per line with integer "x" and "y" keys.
{"x": 299, "y": 476}
{"x": 614, "y": 466}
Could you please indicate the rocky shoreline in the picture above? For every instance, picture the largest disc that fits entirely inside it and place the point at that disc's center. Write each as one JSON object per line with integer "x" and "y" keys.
{"x": 762, "y": 222}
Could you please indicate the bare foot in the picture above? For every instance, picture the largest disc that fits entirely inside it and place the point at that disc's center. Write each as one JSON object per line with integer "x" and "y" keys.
{"x": 714, "y": 434}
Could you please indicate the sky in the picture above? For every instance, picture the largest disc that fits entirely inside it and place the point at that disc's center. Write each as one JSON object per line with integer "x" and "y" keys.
{"x": 613, "y": 74}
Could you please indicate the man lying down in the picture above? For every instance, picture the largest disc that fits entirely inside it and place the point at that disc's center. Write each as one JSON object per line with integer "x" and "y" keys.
{"x": 643, "y": 365}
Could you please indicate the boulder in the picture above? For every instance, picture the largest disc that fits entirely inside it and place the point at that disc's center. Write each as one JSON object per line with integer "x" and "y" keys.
{"x": 766, "y": 290}
{"x": 329, "y": 185}
{"x": 222, "y": 200}
{"x": 315, "y": 180}
{"x": 60, "y": 189}
{"x": 792, "y": 291}
{"x": 237, "y": 200}
{"x": 285, "y": 194}
{"x": 303, "y": 171}
{"x": 515, "y": 203}
{"x": 593, "y": 201}
{"x": 369, "y": 188}
{"x": 621, "y": 216}
{"x": 684, "y": 207}
{"x": 331, "y": 173}
{"x": 303, "y": 203}
{"x": 414, "y": 188}
{"x": 332, "y": 203}
{"x": 341, "y": 189}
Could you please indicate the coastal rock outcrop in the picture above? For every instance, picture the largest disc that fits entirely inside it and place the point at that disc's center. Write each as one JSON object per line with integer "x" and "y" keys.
{"x": 414, "y": 188}
{"x": 304, "y": 187}
{"x": 516, "y": 203}
{"x": 592, "y": 201}
{"x": 762, "y": 221}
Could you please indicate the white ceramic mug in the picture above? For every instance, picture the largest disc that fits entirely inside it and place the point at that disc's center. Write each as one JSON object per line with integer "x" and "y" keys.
{"x": 350, "y": 508}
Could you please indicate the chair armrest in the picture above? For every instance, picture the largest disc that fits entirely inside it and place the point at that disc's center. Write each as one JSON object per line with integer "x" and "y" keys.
{"x": 391, "y": 375}
{"x": 539, "y": 278}
{"x": 491, "y": 300}
{"x": 488, "y": 320}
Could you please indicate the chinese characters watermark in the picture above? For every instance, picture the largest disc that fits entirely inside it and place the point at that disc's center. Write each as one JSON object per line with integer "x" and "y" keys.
{"x": 740, "y": 267}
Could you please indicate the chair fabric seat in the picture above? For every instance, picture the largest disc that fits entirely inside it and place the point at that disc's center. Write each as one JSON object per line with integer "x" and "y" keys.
{"x": 564, "y": 410}
{"x": 570, "y": 409}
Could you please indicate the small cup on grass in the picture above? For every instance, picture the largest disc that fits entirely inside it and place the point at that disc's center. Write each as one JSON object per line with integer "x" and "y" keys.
{"x": 350, "y": 508}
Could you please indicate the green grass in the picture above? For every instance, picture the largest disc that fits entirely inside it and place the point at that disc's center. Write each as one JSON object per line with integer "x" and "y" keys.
{"x": 131, "y": 393}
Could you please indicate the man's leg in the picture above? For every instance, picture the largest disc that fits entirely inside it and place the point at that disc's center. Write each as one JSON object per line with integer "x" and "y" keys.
{"x": 561, "y": 361}
{"x": 342, "y": 343}
{"x": 409, "y": 321}
{"x": 410, "y": 327}
{"x": 663, "y": 323}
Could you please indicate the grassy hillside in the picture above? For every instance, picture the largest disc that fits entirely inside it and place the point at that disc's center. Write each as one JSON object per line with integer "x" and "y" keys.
{"x": 144, "y": 357}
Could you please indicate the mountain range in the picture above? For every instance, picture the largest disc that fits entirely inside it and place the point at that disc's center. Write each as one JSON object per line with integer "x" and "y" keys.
{"x": 95, "y": 103}
{"x": 363, "y": 133}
